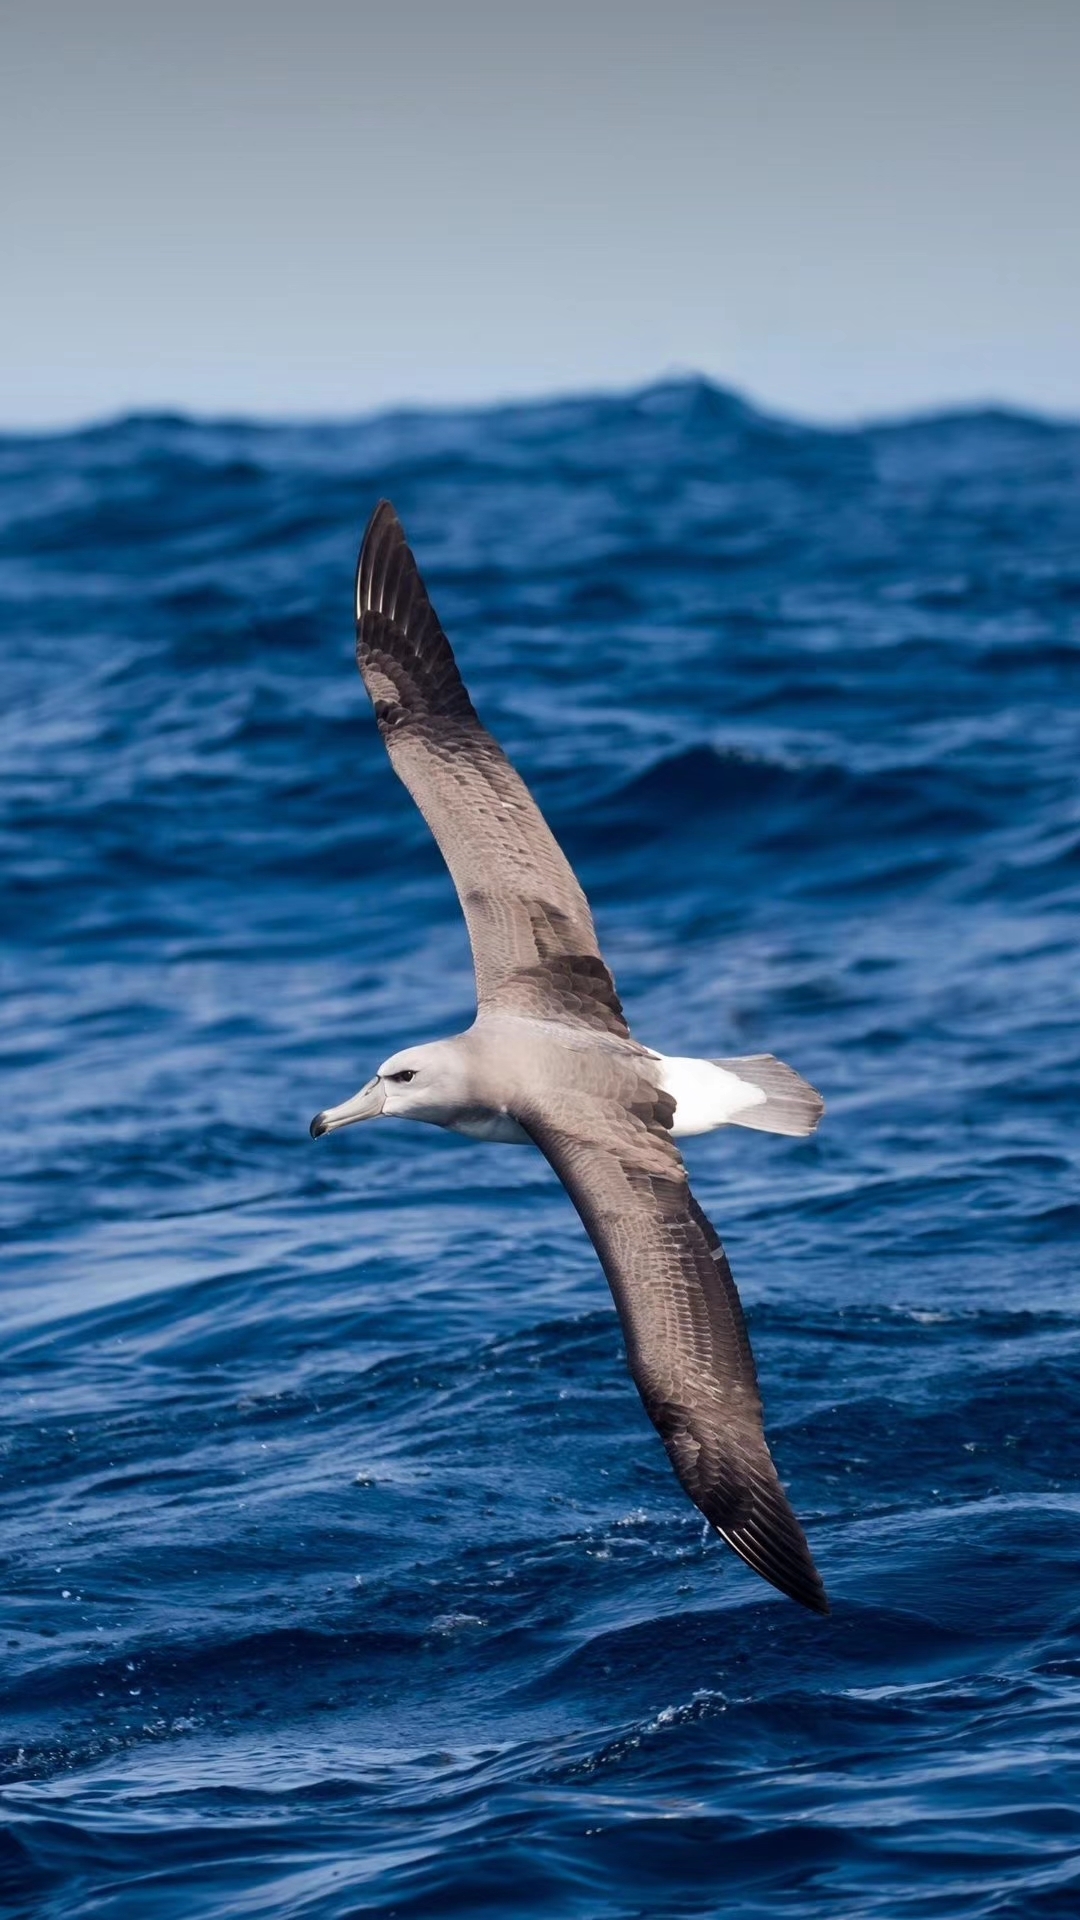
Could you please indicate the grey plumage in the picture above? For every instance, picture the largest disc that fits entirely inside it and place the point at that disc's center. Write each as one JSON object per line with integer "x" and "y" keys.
{"x": 533, "y": 941}
{"x": 551, "y": 1057}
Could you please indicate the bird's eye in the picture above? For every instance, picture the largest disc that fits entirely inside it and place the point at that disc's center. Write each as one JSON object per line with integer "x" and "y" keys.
{"x": 407, "y": 1073}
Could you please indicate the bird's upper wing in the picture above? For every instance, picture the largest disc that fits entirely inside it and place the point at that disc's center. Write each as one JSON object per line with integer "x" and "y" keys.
{"x": 533, "y": 941}
{"x": 686, "y": 1337}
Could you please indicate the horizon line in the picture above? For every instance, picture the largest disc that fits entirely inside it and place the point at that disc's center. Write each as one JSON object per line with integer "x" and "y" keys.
{"x": 533, "y": 400}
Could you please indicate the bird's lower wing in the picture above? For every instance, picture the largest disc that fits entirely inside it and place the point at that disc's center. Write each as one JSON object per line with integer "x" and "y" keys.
{"x": 686, "y": 1337}
{"x": 534, "y": 945}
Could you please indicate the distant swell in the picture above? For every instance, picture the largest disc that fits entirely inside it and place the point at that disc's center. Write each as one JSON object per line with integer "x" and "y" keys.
{"x": 742, "y": 803}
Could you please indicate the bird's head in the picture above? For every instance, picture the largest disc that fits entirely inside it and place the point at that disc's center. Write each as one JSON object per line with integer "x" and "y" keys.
{"x": 420, "y": 1083}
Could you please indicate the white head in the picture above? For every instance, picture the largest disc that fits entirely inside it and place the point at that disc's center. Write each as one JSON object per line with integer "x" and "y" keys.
{"x": 420, "y": 1083}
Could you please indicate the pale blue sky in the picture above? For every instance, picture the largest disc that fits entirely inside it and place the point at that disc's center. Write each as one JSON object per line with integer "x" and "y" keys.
{"x": 837, "y": 206}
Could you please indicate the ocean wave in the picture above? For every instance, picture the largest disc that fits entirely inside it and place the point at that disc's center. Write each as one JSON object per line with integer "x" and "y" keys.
{"x": 343, "y": 1570}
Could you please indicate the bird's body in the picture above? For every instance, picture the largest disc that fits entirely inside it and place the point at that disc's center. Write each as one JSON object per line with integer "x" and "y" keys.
{"x": 550, "y": 1061}
{"x": 706, "y": 1094}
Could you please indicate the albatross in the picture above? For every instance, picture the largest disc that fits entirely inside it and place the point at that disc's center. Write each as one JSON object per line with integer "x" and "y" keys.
{"x": 550, "y": 1061}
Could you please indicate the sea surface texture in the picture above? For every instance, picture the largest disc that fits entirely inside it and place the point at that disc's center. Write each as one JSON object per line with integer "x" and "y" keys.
{"x": 342, "y": 1572}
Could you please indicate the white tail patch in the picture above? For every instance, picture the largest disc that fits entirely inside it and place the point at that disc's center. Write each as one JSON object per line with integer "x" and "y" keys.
{"x": 758, "y": 1091}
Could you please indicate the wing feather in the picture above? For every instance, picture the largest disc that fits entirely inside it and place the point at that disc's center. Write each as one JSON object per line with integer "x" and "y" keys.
{"x": 534, "y": 944}
{"x": 686, "y": 1339}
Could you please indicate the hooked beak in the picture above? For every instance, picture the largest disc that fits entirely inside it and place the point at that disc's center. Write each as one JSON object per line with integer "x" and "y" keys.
{"x": 365, "y": 1105}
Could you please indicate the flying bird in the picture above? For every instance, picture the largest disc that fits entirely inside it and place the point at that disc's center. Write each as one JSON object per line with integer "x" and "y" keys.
{"x": 550, "y": 1060}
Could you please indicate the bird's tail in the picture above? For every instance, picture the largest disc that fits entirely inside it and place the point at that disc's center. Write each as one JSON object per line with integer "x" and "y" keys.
{"x": 791, "y": 1105}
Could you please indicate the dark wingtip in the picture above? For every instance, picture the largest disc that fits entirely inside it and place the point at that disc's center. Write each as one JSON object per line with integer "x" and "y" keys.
{"x": 383, "y": 533}
{"x": 383, "y": 518}
{"x": 404, "y": 657}
{"x": 814, "y": 1597}
{"x": 772, "y": 1542}
{"x": 794, "y": 1575}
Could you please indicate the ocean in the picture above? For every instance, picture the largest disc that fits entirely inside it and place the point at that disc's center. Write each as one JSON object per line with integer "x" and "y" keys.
{"x": 343, "y": 1573}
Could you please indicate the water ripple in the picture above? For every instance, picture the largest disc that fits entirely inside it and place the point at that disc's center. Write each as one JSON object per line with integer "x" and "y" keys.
{"x": 343, "y": 1572}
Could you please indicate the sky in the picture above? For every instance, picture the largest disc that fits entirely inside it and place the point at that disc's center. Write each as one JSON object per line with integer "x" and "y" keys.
{"x": 841, "y": 208}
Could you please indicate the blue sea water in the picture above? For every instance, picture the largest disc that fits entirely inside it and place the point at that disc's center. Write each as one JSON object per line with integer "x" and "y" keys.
{"x": 342, "y": 1571}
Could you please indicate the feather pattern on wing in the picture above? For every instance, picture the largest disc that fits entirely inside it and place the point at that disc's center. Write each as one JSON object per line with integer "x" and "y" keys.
{"x": 534, "y": 945}
{"x": 686, "y": 1339}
